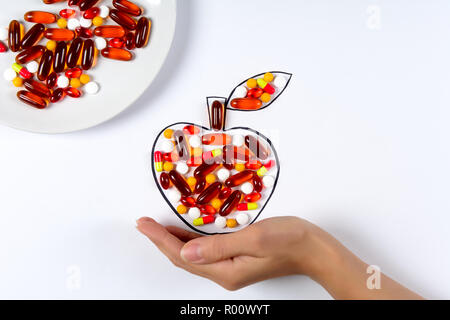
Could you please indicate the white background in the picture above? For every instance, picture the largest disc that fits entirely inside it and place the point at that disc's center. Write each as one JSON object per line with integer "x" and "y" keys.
{"x": 362, "y": 133}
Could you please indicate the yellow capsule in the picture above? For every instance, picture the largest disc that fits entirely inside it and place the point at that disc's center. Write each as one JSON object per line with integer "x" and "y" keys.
{"x": 168, "y": 166}
{"x": 62, "y": 23}
{"x": 75, "y": 83}
{"x": 239, "y": 167}
{"x": 231, "y": 223}
{"x": 216, "y": 203}
{"x": 17, "y": 82}
{"x": 85, "y": 79}
{"x": 210, "y": 178}
{"x": 251, "y": 83}
{"x": 191, "y": 181}
{"x": 97, "y": 21}
{"x": 181, "y": 209}
{"x": 168, "y": 133}
{"x": 261, "y": 83}
{"x": 51, "y": 45}
{"x": 268, "y": 77}
{"x": 265, "y": 97}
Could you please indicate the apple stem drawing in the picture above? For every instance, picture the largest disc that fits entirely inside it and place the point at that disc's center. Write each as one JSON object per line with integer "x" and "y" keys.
{"x": 218, "y": 179}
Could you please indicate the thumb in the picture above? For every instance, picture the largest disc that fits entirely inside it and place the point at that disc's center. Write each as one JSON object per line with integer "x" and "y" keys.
{"x": 215, "y": 248}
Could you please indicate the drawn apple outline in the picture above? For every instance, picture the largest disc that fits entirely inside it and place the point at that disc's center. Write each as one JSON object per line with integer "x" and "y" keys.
{"x": 275, "y": 171}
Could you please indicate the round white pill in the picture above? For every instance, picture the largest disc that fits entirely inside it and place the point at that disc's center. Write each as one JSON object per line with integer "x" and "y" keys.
{"x": 220, "y": 222}
{"x": 73, "y": 23}
{"x": 240, "y": 92}
{"x": 63, "y": 82}
{"x": 194, "y": 213}
{"x": 3, "y": 34}
{"x": 268, "y": 181}
{"x": 9, "y": 74}
{"x": 247, "y": 188}
{"x": 100, "y": 43}
{"x": 167, "y": 146}
{"x": 242, "y": 218}
{"x": 85, "y": 23}
{"x": 92, "y": 87}
{"x": 173, "y": 195}
{"x": 238, "y": 140}
{"x": 195, "y": 141}
{"x": 223, "y": 174}
{"x": 33, "y": 66}
{"x": 104, "y": 12}
{"x": 182, "y": 167}
{"x": 279, "y": 82}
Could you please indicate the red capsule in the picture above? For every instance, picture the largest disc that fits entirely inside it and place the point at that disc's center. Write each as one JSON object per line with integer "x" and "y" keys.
{"x": 52, "y": 79}
{"x": 122, "y": 19}
{"x": 181, "y": 145}
{"x": 194, "y": 161}
{"x": 91, "y": 13}
{"x": 252, "y": 197}
{"x": 72, "y": 92}
{"x": 200, "y": 185}
{"x": 74, "y": 52}
{"x": 257, "y": 147}
{"x": 88, "y": 58}
{"x": 225, "y": 193}
{"x": 171, "y": 156}
{"x": 84, "y": 32}
{"x": 59, "y": 61}
{"x": 204, "y": 169}
{"x": 130, "y": 43}
{"x": 143, "y": 32}
{"x": 191, "y": 129}
{"x": 3, "y": 47}
{"x": 128, "y": 7}
{"x": 86, "y": 4}
{"x": 33, "y": 36}
{"x": 30, "y": 54}
{"x": 59, "y": 34}
{"x": 207, "y": 209}
{"x": 73, "y": 3}
{"x": 253, "y": 164}
{"x": 14, "y": 36}
{"x": 37, "y": 88}
{"x": 74, "y": 73}
{"x": 209, "y": 193}
{"x": 257, "y": 183}
{"x": 116, "y": 43}
{"x": 255, "y": 93}
{"x": 32, "y": 99}
{"x": 231, "y": 203}
{"x": 188, "y": 202}
{"x": 216, "y": 139}
{"x": 164, "y": 180}
{"x": 45, "y": 65}
{"x": 109, "y": 31}
{"x": 239, "y": 178}
{"x": 67, "y": 13}
{"x": 180, "y": 183}
{"x": 57, "y": 95}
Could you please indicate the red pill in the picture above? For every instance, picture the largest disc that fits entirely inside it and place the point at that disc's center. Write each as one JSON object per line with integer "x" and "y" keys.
{"x": 255, "y": 93}
{"x": 72, "y": 92}
{"x": 3, "y": 47}
{"x": 239, "y": 178}
{"x": 171, "y": 156}
{"x": 67, "y": 13}
{"x": 253, "y": 164}
{"x": 180, "y": 183}
{"x": 30, "y": 54}
{"x": 164, "y": 180}
{"x": 207, "y": 209}
{"x": 225, "y": 193}
{"x": 84, "y": 32}
{"x": 204, "y": 169}
{"x": 116, "y": 43}
{"x": 209, "y": 193}
{"x": 188, "y": 201}
{"x": 74, "y": 73}
{"x": 33, "y": 36}
{"x": 231, "y": 203}
{"x": 91, "y": 13}
{"x": 252, "y": 197}
{"x": 216, "y": 139}
{"x": 200, "y": 185}
{"x": 37, "y": 88}
{"x": 217, "y": 115}
{"x": 191, "y": 129}
{"x": 246, "y": 103}
{"x": 127, "y": 7}
{"x": 73, "y": 2}
{"x": 122, "y": 19}
{"x": 32, "y": 99}
{"x": 257, "y": 183}
{"x": 57, "y": 95}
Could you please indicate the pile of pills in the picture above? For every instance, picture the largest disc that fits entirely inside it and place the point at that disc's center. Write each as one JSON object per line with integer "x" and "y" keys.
{"x": 50, "y": 71}
{"x": 215, "y": 177}
{"x": 257, "y": 92}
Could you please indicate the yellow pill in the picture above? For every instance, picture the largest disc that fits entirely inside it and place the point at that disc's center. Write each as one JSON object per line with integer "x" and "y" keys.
{"x": 75, "y": 83}
{"x": 210, "y": 178}
{"x": 181, "y": 209}
{"x": 251, "y": 83}
{"x": 168, "y": 166}
{"x": 191, "y": 181}
{"x": 196, "y": 152}
{"x": 17, "y": 82}
{"x": 268, "y": 77}
{"x": 239, "y": 167}
{"x": 97, "y": 21}
{"x": 231, "y": 223}
{"x": 168, "y": 133}
{"x": 265, "y": 97}
{"x": 51, "y": 45}
{"x": 216, "y": 203}
{"x": 85, "y": 79}
{"x": 62, "y": 23}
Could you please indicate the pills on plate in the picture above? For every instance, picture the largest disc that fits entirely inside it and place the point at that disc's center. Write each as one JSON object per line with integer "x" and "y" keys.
{"x": 182, "y": 168}
{"x": 33, "y": 66}
{"x": 92, "y": 87}
{"x": 240, "y": 92}
{"x": 223, "y": 174}
{"x": 242, "y": 218}
{"x": 268, "y": 181}
{"x": 247, "y": 188}
{"x": 62, "y": 82}
{"x": 220, "y": 222}
{"x": 85, "y": 23}
{"x": 194, "y": 213}
{"x": 73, "y": 23}
{"x": 100, "y": 43}
{"x": 104, "y": 12}
{"x": 173, "y": 195}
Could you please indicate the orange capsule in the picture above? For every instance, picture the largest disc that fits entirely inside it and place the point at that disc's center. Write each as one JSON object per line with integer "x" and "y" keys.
{"x": 14, "y": 36}
{"x": 32, "y": 99}
{"x": 239, "y": 178}
{"x": 128, "y": 7}
{"x": 109, "y": 31}
{"x": 37, "y": 88}
{"x": 72, "y": 92}
{"x": 40, "y": 17}
{"x": 216, "y": 139}
{"x": 252, "y": 197}
{"x": 116, "y": 43}
{"x": 117, "y": 54}
{"x": 122, "y": 19}
{"x": 33, "y": 36}
{"x": 246, "y": 103}
{"x": 253, "y": 164}
{"x": 143, "y": 28}
{"x": 67, "y": 13}
{"x": 59, "y": 34}
{"x": 30, "y": 54}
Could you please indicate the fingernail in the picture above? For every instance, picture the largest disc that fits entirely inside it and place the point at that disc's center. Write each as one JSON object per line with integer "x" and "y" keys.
{"x": 143, "y": 220}
{"x": 191, "y": 253}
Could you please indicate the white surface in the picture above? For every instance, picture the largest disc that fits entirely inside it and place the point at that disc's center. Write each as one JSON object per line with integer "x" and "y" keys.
{"x": 368, "y": 110}
{"x": 116, "y": 95}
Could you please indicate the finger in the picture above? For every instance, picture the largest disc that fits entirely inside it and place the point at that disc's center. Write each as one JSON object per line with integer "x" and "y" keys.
{"x": 182, "y": 234}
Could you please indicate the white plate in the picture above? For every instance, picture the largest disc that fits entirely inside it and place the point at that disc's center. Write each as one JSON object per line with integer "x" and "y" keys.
{"x": 121, "y": 82}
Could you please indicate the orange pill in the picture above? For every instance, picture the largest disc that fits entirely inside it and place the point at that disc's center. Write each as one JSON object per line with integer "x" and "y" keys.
{"x": 59, "y": 34}
{"x": 117, "y": 54}
{"x": 109, "y": 31}
{"x": 40, "y": 17}
{"x": 246, "y": 103}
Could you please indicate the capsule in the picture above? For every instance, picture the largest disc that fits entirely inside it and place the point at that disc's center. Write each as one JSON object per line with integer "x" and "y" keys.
{"x": 40, "y": 17}
{"x": 265, "y": 86}
{"x": 255, "y": 93}
{"x": 182, "y": 145}
{"x": 207, "y": 209}
{"x": 204, "y": 169}
{"x": 239, "y": 178}
{"x": 52, "y": 1}
{"x": 171, "y": 156}
{"x": 32, "y": 99}
{"x": 217, "y": 116}
{"x": 253, "y": 164}
{"x": 209, "y": 156}
{"x": 158, "y": 161}
{"x": 45, "y": 66}
{"x": 143, "y": 28}
{"x": 109, "y": 31}
{"x": 230, "y": 204}
{"x": 164, "y": 180}
{"x": 188, "y": 202}
{"x": 57, "y": 95}
{"x": 67, "y": 13}
{"x": 203, "y": 220}
{"x": 117, "y": 54}
{"x": 130, "y": 43}
{"x": 14, "y": 36}
{"x": 180, "y": 183}
{"x": 200, "y": 185}
{"x": 72, "y": 92}
{"x": 246, "y": 103}
{"x": 194, "y": 161}
{"x": 117, "y": 43}
{"x": 37, "y": 88}
{"x": 87, "y": 60}
{"x": 127, "y": 7}
{"x": 73, "y": 55}
{"x": 236, "y": 153}
{"x": 216, "y": 139}
{"x": 74, "y": 73}
{"x": 225, "y": 193}
{"x": 59, "y": 61}
{"x": 33, "y": 36}
{"x": 265, "y": 168}
{"x": 122, "y": 19}
{"x": 257, "y": 147}
{"x": 57, "y": 34}
{"x": 252, "y": 197}
{"x": 191, "y": 129}
{"x": 209, "y": 193}
{"x": 30, "y": 54}
{"x": 247, "y": 206}
{"x": 84, "y": 32}
{"x": 21, "y": 70}
{"x": 86, "y": 4}
{"x": 73, "y": 2}
{"x": 91, "y": 13}
{"x": 257, "y": 183}
{"x": 51, "y": 81}
{"x": 3, "y": 47}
